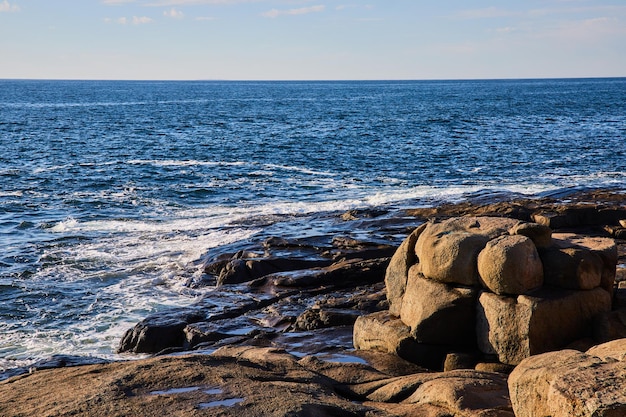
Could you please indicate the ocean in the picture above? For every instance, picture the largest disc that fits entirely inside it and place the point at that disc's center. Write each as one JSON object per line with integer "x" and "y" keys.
{"x": 112, "y": 193}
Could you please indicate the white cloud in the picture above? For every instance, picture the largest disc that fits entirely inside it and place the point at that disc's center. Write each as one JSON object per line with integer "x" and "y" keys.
{"x": 7, "y": 7}
{"x": 141, "y": 20}
{"x": 125, "y": 21}
{"x": 174, "y": 13}
{"x": 293, "y": 12}
{"x": 486, "y": 13}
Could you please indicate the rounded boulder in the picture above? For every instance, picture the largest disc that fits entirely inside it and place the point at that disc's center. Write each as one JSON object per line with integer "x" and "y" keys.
{"x": 510, "y": 265}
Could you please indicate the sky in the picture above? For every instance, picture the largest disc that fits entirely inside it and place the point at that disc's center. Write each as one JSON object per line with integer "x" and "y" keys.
{"x": 311, "y": 39}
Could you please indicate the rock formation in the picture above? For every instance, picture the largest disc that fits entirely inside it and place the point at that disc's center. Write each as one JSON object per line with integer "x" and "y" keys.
{"x": 493, "y": 287}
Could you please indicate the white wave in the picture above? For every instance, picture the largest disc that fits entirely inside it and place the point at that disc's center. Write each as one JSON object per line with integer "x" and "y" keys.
{"x": 301, "y": 170}
{"x": 183, "y": 163}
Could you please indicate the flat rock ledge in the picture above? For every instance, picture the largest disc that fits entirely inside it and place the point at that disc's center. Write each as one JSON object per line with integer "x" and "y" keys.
{"x": 253, "y": 381}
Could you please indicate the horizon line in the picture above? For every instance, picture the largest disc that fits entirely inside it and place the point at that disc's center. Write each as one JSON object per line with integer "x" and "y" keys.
{"x": 314, "y": 80}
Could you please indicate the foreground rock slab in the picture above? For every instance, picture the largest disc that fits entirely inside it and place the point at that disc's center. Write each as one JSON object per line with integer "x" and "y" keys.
{"x": 570, "y": 383}
{"x": 254, "y": 381}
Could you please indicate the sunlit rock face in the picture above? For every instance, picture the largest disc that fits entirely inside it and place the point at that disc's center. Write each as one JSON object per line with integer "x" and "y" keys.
{"x": 494, "y": 287}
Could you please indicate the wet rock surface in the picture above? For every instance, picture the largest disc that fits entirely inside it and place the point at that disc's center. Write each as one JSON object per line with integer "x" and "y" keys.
{"x": 275, "y": 336}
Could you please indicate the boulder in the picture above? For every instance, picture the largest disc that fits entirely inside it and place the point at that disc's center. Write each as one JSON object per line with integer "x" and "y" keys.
{"x": 541, "y": 235}
{"x": 570, "y": 383}
{"x": 465, "y": 392}
{"x": 397, "y": 271}
{"x": 578, "y": 262}
{"x": 238, "y": 270}
{"x": 578, "y": 216}
{"x": 447, "y": 251}
{"x": 515, "y": 328}
{"x": 510, "y": 265}
{"x": 460, "y": 360}
{"x": 571, "y": 268}
{"x": 158, "y": 332}
{"x": 439, "y": 313}
{"x": 385, "y": 333}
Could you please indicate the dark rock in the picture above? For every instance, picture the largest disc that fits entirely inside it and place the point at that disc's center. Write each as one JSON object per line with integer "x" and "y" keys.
{"x": 237, "y": 271}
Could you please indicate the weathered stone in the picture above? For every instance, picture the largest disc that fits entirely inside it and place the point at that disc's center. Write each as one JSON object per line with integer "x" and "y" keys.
{"x": 465, "y": 391}
{"x": 570, "y": 383}
{"x": 577, "y": 262}
{"x": 498, "y": 367}
{"x": 438, "y": 313}
{"x": 571, "y": 268}
{"x": 383, "y": 332}
{"x": 397, "y": 271}
{"x": 460, "y": 360}
{"x": 541, "y": 235}
{"x": 447, "y": 251}
{"x": 613, "y": 350}
{"x": 578, "y": 216}
{"x": 237, "y": 271}
{"x": 501, "y": 329}
{"x": 158, "y": 332}
{"x": 510, "y": 265}
{"x": 517, "y": 328}
{"x": 320, "y": 318}
{"x": 341, "y": 274}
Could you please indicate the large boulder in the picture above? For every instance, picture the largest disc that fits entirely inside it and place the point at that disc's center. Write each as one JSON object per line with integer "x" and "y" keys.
{"x": 510, "y": 265}
{"x": 516, "y": 328}
{"x": 541, "y": 235}
{"x": 447, "y": 251}
{"x": 385, "y": 333}
{"x": 571, "y": 383}
{"x": 439, "y": 313}
{"x": 605, "y": 248}
{"x": 397, "y": 271}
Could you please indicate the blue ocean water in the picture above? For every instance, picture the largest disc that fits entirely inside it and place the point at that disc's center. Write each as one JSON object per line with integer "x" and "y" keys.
{"x": 111, "y": 192}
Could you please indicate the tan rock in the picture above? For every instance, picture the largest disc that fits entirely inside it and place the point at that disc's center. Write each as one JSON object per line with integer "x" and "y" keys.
{"x": 447, "y": 251}
{"x": 604, "y": 248}
{"x": 568, "y": 383}
{"x": 385, "y": 333}
{"x": 517, "y": 328}
{"x": 502, "y": 328}
{"x": 439, "y": 313}
{"x": 397, "y": 271}
{"x": 615, "y": 349}
{"x": 464, "y": 392}
{"x": 510, "y": 265}
{"x": 381, "y": 331}
{"x": 460, "y": 360}
{"x": 541, "y": 235}
{"x": 571, "y": 268}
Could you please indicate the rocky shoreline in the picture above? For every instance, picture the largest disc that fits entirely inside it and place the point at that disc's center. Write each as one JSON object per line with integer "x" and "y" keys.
{"x": 275, "y": 337}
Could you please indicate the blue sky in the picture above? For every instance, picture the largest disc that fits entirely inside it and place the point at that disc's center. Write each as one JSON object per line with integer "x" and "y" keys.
{"x": 311, "y": 39}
